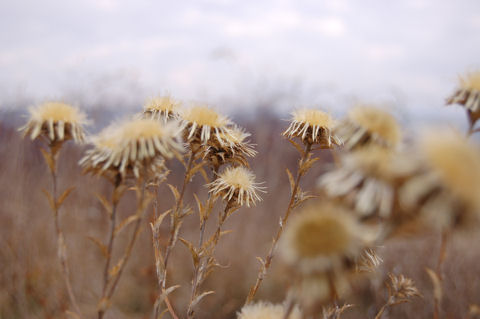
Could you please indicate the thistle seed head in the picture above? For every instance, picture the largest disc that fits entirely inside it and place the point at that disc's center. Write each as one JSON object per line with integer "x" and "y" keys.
{"x": 313, "y": 127}
{"x": 369, "y": 125}
{"x": 237, "y": 184}
{"x": 132, "y": 145}
{"x": 57, "y": 122}
{"x": 468, "y": 94}
{"x": 322, "y": 237}
{"x": 202, "y": 123}
{"x": 265, "y": 310}
{"x": 161, "y": 108}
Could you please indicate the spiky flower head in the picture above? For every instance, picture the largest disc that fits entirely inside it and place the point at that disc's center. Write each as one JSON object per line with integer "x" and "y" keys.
{"x": 132, "y": 145}
{"x": 446, "y": 189}
{"x": 161, "y": 108}
{"x": 56, "y": 121}
{"x": 232, "y": 147}
{"x": 322, "y": 237}
{"x": 202, "y": 123}
{"x": 368, "y": 125}
{"x": 313, "y": 127}
{"x": 237, "y": 184}
{"x": 401, "y": 289}
{"x": 367, "y": 180}
{"x": 468, "y": 95}
{"x": 266, "y": 310}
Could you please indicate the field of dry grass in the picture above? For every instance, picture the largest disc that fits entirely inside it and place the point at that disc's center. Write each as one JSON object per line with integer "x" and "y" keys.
{"x": 32, "y": 285}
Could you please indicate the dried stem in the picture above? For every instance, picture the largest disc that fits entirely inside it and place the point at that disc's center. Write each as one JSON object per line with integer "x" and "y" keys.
{"x": 62, "y": 250}
{"x": 445, "y": 236}
{"x": 128, "y": 251}
{"x": 268, "y": 260}
{"x": 382, "y": 310}
{"x": 161, "y": 267}
{"x": 202, "y": 269}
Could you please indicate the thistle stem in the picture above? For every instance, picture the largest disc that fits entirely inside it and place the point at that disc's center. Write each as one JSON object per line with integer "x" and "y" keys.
{"x": 268, "y": 259}
{"x": 174, "y": 229}
{"x": 445, "y": 236}
{"x": 62, "y": 251}
{"x": 131, "y": 243}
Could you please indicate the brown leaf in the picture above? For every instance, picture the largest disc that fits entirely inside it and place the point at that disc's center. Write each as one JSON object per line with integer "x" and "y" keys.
{"x": 192, "y": 249}
{"x": 290, "y": 179}
{"x": 106, "y": 205}
{"x": 127, "y": 221}
{"x": 200, "y": 297}
{"x": 307, "y": 165}
{"x": 48, "y": 159}
{"x": 298, "y": 147}
{"x": 64, "y": 196}
{"x": 51, "y": 202}
{"x": 174, "y": 191}
{"x": 115, "y": 269}
{"x": 437, "y": 284}
{"x": 158, "y": 221}
{"x": 103, "y": 248}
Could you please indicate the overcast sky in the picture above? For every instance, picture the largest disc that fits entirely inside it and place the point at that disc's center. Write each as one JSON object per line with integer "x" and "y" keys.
{"x": 239, "y": 53}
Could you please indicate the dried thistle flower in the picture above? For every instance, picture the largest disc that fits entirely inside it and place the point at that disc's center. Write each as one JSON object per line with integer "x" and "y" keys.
{"x": 126, "y": 147}
{"x": 368, "y": 125}
{"x": 322, "y": 237}
{"x": 401, "y": 289}
{"x": 265, "y": 310}
{"x": 445, "y": 190}
{"x": 468, "y": 95}
{"x": 237, "y": 184}
{"x": 367, "y": 179}
{"x": 369, "y": 261}
{"x": 313, "y": 127}
{"x": 335, "y": 312}
{"x": 202, "y": 123}
{"x": 232, "y": 147}
{"x": 161, "y": 108}
{"x": 56, "y": 121}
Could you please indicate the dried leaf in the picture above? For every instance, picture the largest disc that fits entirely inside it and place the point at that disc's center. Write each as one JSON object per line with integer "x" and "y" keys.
{"x": 193, "y": 251}
{"x": 195, "y": 169}
{"x": 200, "y": 297}
{"x": 64, "y": 196}
{"x": 437, "y": 284}
{"x": 115, "y": 269}
{"x": 290, "y": 179}
{"x": 307, "y": 165}
{"x": 298, "y": 147}
{"x": 118, "y": 193}
{"x": 51, "y": 202}
{"x": 127, "y": 221}
{"x": 158, "y": 221}
{"x": 106, "y": 205}
{"x": 174, "y": 191}
{"x": 103, "y": 248}
{"x": 201, "y": 208}
{"x": 48, "y": 159}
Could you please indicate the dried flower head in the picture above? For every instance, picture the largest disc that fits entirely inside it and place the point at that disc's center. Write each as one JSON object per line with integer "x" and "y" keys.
{"x": 313, "y": 127}
{"x": 368, "y": 125}
{"x": 401, "y": 289}
{"x": 202, "y": 123}
{"x": 164, "y": 108}
{"x": 446, "y": 190}
{"x": 369, "y": 261}
{"x": 232, "y": 147}
{"x": 265, "y": 310}
{"x": 322, "y": 237}
{"x": 56, "y": 121}
{"x": 129, "y": 146}
{"x": 468, "y": 95}
{"x": 237, "y": 184}
{"x": 367, "y": 179}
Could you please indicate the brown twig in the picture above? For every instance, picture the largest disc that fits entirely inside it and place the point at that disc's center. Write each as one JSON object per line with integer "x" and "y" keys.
{"x": 445, "y": 236}
{"x": 62, "y": 251}
{"x": 268, "y": 260}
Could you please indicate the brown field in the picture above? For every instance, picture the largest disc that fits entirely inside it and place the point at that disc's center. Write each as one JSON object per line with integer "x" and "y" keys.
{"x": 30, "y": 274}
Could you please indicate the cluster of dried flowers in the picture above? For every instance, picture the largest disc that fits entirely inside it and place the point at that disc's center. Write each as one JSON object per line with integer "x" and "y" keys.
{"x": 377, "y": 186}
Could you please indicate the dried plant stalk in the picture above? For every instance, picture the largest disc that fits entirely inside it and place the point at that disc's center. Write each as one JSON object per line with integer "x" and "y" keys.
{"x": 176, "y": 220}
{"x": 303, "y": 166}
{"x": 55, "y": 202}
